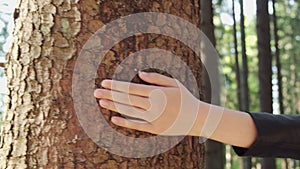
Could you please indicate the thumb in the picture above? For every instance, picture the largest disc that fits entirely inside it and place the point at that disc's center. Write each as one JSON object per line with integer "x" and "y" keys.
{"x": 158, "y": 79}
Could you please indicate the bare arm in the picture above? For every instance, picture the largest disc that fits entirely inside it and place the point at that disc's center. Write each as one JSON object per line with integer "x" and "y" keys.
{"x": 169, "y": 109}
{"x": 235, "y": 127}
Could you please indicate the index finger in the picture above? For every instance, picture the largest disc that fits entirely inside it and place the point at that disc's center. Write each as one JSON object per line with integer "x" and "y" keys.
{"x": 130, "y": 88}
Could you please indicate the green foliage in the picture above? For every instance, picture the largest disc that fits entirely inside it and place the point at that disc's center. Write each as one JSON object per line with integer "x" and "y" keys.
{"x": 3, "y": 28}
{"x": 225, "y": 47}
{"x": 289, "y": 44}
{"x": 288, "y": 23}
{"x": 1, "y": 107}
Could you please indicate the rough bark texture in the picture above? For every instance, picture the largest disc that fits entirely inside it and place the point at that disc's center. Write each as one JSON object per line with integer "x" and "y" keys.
{"x": 40, "y": 128}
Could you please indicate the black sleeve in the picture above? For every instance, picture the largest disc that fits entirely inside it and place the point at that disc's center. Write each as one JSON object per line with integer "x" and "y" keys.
{"x": 278, "y": 136}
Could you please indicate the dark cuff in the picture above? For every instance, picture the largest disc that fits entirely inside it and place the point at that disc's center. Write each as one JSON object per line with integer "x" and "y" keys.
{"x": 277, "y": 136}
{"x": 258, "y": 143}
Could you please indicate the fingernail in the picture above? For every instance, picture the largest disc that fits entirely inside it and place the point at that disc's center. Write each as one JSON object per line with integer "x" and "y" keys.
{"x": 114, "y": 120}
{"x": 97, "y": 93}
{"x": 143, "y": 73}
{"x": 105, "y": 83}
{"x": 103, "y": 103}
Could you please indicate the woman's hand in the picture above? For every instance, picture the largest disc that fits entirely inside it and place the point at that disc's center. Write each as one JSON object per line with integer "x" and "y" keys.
{"x": 170, "y": 109}
{"x": 166, "y": 109}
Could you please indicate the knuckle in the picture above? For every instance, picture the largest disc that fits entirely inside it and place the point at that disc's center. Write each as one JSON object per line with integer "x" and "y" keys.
{"x": 132, "y": 87}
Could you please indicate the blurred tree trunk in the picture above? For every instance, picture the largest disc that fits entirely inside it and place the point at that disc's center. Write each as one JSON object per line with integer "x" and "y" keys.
{"x": 277, "y": 56}
{"x": 236, "y": 56}
{"x": 215, "y": 157}
{"x": 237, "y": 70}
{"x": 265, "y": 66}
{"x": 40, "y": 127}
{"x": 285, "y": 163}
{"x": 247, "y": 164}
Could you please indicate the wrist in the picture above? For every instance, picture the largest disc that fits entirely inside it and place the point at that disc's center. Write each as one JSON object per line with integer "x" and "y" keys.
{"x": 203, "y": 109}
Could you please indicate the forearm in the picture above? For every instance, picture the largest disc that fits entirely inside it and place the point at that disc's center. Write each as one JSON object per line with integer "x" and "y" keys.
{"x": 234, "y": 127}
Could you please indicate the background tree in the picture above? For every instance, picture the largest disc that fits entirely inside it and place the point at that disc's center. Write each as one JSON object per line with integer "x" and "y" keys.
{"x": 214, "y": 158}
{"x": 277, "y": 57}
{"x": 247, "y": 164}
{"x": 236, "y": 56}
{"x": 265, "y": 65}
{"x": 40, "y": 128}
{"x": 278, "y": 73}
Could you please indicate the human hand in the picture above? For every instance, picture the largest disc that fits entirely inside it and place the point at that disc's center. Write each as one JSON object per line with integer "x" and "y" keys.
{"x": 166, "y": 109}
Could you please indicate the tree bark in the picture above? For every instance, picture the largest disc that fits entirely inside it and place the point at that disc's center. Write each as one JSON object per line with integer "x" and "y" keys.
{"x": 40, "y": 127}
{"x": 265, "y": 66}
{"x": 214, "y": 156}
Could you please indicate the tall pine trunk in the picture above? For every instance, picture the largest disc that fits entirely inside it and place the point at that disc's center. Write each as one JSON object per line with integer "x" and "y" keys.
{"x": 265, "y": 66}
{"x": 247, "y": 164}
{"x": 278, "y": 67}
{"x": 236, "y": 56}
{"x": 214, "y": 157}
{"x": 277, "y": 56}
{"x": 40, "y": 127}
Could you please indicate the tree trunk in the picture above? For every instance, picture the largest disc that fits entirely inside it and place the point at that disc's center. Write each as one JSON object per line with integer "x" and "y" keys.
{"x": 236, "y": 56}
{"x": 277, "y": 55}
{"x": 247, "y": 164}
{"x": 285, "y": 163}
{"x": 214, "y": 157}
{"x": 40, "y": 127}
{"x": 265, "y": 66}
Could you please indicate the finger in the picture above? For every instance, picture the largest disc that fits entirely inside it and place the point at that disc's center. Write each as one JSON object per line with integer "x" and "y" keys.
{"x": 123, "y": 109}
{"x": 158, "y": 79}
{"x": 123, "y": 98}
{"x": 130, "y": 88}
{"x": 132, "y": 124}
